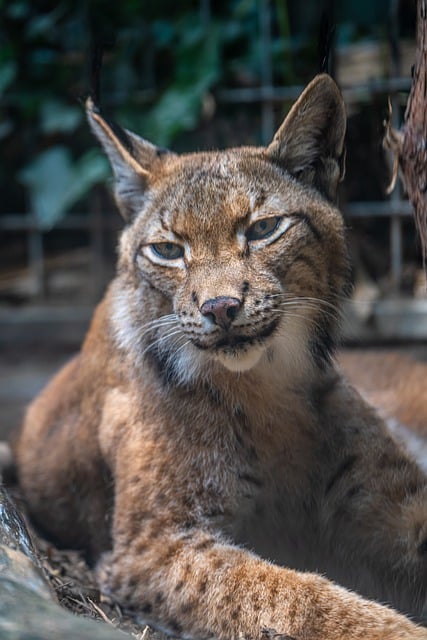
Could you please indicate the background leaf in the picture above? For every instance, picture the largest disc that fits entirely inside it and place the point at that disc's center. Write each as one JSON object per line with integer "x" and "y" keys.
{"x": 55, "y": 183}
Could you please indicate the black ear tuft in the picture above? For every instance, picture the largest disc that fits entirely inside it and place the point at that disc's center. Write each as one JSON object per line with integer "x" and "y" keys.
{"x": 133, "y": 160}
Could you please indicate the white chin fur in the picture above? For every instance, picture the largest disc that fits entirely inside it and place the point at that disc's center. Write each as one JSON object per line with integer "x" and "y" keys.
{"x": 240, "y": 361}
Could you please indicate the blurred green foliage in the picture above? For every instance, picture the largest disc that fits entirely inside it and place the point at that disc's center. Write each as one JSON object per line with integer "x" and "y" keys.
{"x": 162, "y": 62}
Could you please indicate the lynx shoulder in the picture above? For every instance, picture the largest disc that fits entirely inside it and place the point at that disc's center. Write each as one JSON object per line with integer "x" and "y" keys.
{"x": 202, "y": 447}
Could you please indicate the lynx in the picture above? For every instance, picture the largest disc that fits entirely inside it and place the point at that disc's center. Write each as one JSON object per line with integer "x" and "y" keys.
{"x": 203, "y": 447}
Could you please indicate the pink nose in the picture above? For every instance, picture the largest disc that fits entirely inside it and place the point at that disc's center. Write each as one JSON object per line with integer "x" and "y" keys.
{"x": 221, "y": 310}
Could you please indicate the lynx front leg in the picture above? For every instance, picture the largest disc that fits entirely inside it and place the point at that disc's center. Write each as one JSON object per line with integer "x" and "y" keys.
{"x": 189, "y": 583}
{"x": 175, "y": 570}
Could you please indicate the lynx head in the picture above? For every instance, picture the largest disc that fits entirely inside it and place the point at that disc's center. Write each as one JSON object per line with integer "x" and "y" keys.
{"x": 231, "y": 258}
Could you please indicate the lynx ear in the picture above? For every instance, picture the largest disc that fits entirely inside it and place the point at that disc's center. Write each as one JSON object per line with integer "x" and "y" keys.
{"x": 132, "y": 158}
{"x": 310, "y": 142}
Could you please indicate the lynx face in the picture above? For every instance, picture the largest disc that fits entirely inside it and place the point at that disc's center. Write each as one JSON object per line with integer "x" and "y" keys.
{"x": 229, "y": 257}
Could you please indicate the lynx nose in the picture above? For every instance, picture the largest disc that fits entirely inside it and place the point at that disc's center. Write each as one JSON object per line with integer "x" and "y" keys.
{"x": 221, "y": 310}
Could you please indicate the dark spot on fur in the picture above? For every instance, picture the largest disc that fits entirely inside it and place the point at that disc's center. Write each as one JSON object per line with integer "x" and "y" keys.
{"x": 134, "y": 523}
{"x": 320, "y": 394}
{"x": 140, "y": 546}
{"x": 217, "y": 563}
{"x": 272, "y": 634}
{"x": 205, "y": 544}
{"x": 235, "y": 613}
{"x": 187, "y": 571}
{"x": 310, "y": 224}
{"x": 322, "y": 345}
{"x": 147, "y": 607}
{"x": 202, "y": 585}
{"x": 246, "y": 477}
{"x": 308, "y": 261}
{"x": 260, "y": 198}
{"x": 387, "y": 461}
{"x": 245, "y": 287}
{"x": 275, "y": 585}
{"x": 412, "y": 488}
{"x": 344, "y": 468}
{"x": 214, "y": 395}
{"x": 194, "y": 297}
{"x": 175, "y": 626}
{"x": 171, "y": 551}
{"x": 348, "y": 287}
{"x": 179, "y": 585}
{"x": 159, "y": 598}
{"x": 354, "y": 491}
{"x": 252, "y": 453}
{"x": 187, "y": 607}
{"x": 422, "y": 549}
{"x": 133, "y": 581}
{"x": 216, "y": 512}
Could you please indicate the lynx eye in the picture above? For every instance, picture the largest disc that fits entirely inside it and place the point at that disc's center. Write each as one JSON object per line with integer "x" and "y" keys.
{"x": 263, "y": 228}
{"x": 168, "y": 250}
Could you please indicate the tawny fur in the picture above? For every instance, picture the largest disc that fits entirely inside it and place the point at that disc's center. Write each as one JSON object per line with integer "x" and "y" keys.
{"x": 216, "y": 467}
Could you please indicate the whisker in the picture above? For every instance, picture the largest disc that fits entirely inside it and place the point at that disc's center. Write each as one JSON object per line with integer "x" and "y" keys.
{"x": 163, "y": 337}
{"x": 187, "y": 342}
{"x": 153, "y": 330}
{"x": 161, "y": 324}
{"x": 317, "y": 301}
{"x": 312, "y": 321}
{"x": 310, "y": 306}
{"x": 287, "y": 294}
{"x": 166, "y": 316}
{"x": 166, "y": 319}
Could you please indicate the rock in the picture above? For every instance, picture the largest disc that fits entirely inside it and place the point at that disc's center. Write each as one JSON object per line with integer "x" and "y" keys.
{"x": 28, "y": 607}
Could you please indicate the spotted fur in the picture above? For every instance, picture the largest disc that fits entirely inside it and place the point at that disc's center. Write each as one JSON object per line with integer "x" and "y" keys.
{"x": 202, "y": 447}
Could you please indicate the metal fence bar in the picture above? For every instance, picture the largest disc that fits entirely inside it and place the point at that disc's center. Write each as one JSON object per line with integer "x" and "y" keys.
{"x": 384, "y": 209}
{"x": 396, "y": 259}
{"x": 36, "y": 262}
{"x": 267, "y": 115}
